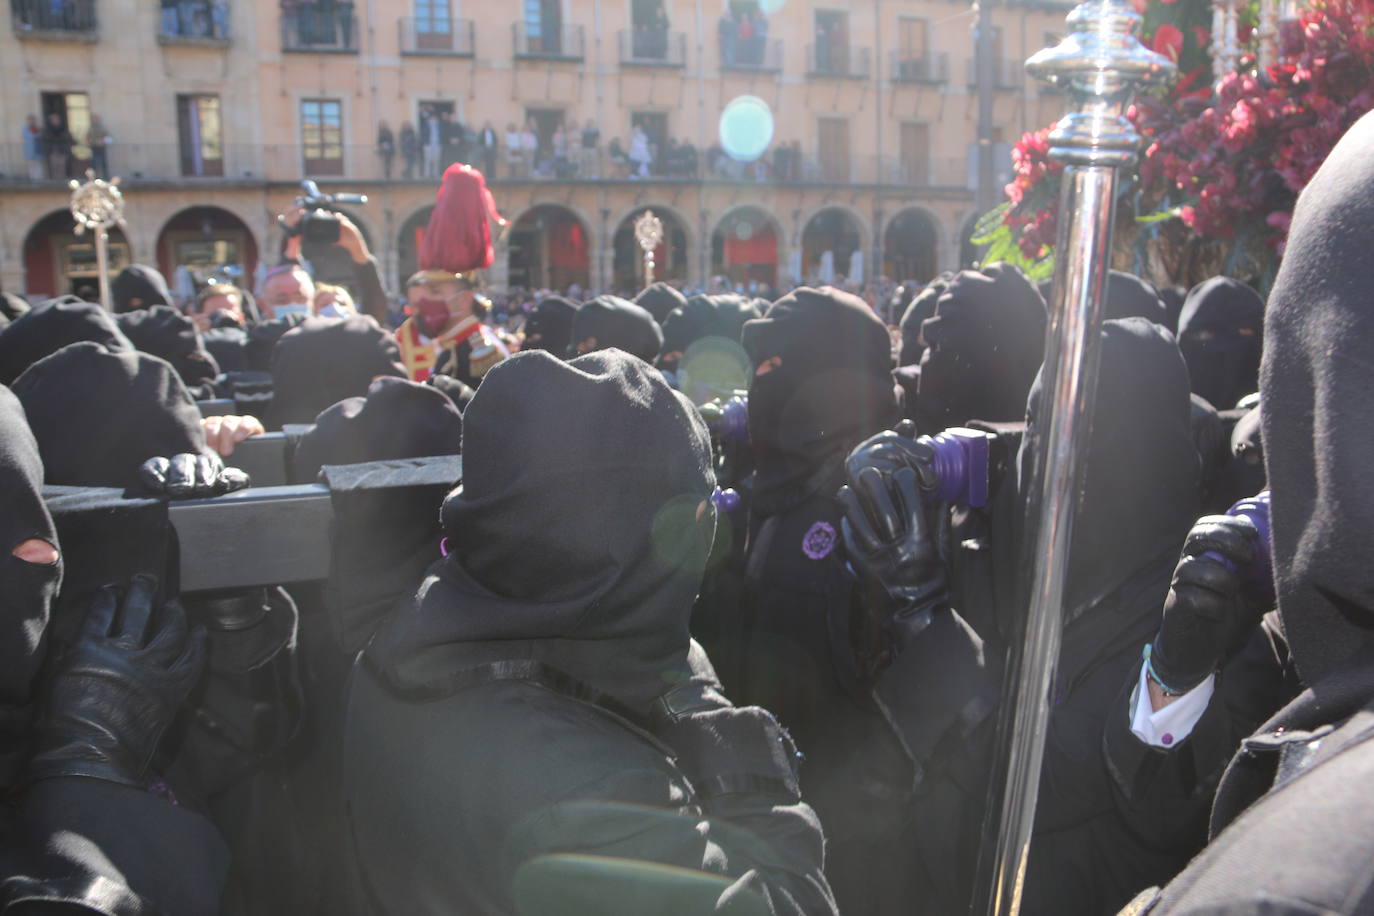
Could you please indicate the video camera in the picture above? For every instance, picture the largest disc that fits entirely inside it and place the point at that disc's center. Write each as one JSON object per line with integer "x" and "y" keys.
{"x": 321, "y": 220}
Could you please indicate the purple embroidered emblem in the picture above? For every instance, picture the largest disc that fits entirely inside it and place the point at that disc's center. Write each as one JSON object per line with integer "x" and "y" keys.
{"x": 819, "y": 540}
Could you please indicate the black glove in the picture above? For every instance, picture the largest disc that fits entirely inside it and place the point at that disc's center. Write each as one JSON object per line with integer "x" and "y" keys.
{"x": 188, "y": 476}
{"x": 893, "y": 449}
{"x": 890, "y": 547}
{"x": 117, "y": 690}
{"x": 1207, "y": 616}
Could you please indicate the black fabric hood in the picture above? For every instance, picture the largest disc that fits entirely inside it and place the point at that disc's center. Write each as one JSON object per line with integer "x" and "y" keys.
{"x": 263, "y": 339}
{"x": 550, "y": 325}
{"x": 615, "y": 322}
{"x": 1221, "y": 334}
{"x": 1128, "y": 296}
{"x": 12, "y": 306}
{"x": 721, "y": 315}
{"x": 27, "y": 590}
{"x": 398, "y": 419}
{"x": 922, "y": 306}
{"x": 324, "y": 360}
{"x": 1141, "y": 485}
{"x": 48, "y": 328}
{"x": 659, "y": 300}
{"x": 228, "y": 347}
{"x": 1315, "y": 383}
{"x": 139, "y": 281}
{"x": 574, "y": 537}
{"x": 833, "y": 389}
{"x": 164, "y": 332}
{"x": 99, "y": 415}
{"x": 985, "y": 344}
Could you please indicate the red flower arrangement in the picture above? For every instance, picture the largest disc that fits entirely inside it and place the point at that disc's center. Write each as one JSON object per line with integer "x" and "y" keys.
{"x": 1229, "y": 164}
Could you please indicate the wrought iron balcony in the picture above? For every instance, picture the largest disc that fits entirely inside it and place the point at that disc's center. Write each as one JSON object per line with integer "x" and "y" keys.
{"x": 438, "y": 36}
{"x": 325, "y": 27}
{"x": 58, "y": 20}
{"x": 535, "y": 41}
{"x": 648, "y": 47}
{"x": 196, "y": 22}
{"x": 930, "y": 67}
{"x": 839, "y": 61}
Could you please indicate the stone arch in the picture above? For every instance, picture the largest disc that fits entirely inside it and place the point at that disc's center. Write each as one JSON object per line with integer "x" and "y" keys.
{"x": 550, "y": 245}
{"x": 836, "y": 228}
{"x": 747, "y": 245}
{"x": 206, "y": 239}
{"x": 57, "y": 261}
{"x": 911, "y": 245}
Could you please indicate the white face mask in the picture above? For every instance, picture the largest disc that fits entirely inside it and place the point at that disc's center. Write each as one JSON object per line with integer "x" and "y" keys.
{"x": 295, "y": 308}
{"x": 333, "y": 310}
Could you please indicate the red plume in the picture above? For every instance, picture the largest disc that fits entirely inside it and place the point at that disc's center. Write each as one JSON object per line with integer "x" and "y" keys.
{"x": 458, "y": 238}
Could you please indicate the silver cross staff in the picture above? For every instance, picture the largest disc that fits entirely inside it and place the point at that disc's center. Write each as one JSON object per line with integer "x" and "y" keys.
{"x": 649, "y": 235}
{"x": 1100, "y": 64}
{"x": 97, "y": 205}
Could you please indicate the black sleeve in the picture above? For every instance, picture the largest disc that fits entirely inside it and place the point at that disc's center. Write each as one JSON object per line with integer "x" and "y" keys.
{"x": 372, "y": 298}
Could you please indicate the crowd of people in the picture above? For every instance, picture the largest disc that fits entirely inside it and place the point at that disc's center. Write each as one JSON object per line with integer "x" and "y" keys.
{"x": 704, "y": 621}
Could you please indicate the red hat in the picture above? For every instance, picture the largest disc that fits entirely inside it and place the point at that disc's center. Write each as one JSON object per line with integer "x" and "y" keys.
{"x": 458, "y": 238}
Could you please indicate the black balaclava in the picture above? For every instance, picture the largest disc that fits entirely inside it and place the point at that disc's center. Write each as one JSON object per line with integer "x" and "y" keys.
{"x": 1315, "y": 383}
{"x": 659, "y": 300}
{"x": 12, "y": 306}
{"x": 397, "y": 419}
{"x": 1220, "y": 333}
{"x": 833, "y": 389}
{"x": 228, "y": 347}
{"x": 325, "y": 360}
{"x": 165, "y": 332}
{"x": 1128, "y": 296}
{"x": 48, "y": 328}
{"x": 1173, "y": 298}
{"x": 922, "y": 306}
{"x": 98, "y": 415}
{"x": 27, "y": 590}
{"x": 1140, "y": 490}
{"x": 525, "y": 577}
{"x": 262, "y": 341}
{"x": 139, "y": 281}
{"x": 704, "y": 316}
{"x": 614, "y": 322}
{"x": 986, "y": 340}
{"x": 549, "y": 326}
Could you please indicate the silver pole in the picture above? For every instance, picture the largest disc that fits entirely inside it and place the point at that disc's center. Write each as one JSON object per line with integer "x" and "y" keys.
{"x": 102, "y": 266}
{"x": 96, "y": 205}
{"x": 1100, "y": 64}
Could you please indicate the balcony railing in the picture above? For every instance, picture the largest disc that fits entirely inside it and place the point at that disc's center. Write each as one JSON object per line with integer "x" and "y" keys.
{"x": 652, "y": 48}
{"x": 756, "y": 55}
{"x": 1006, "y": 74}
{"x": 831, "y": 59}
{"x": 57, "y": 19}
{"x": 442, "y": 37}
{"x": 931, "y": 67}
{"x": 362, "y": 164}
{"x": 320, "y": 27}
{"x": 537, "y": 42}
{"x": 193, "y": 22}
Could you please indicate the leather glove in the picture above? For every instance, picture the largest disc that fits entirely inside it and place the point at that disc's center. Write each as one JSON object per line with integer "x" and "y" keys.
{"x": 890, "y": 547}
{"x": 892, "y": 449}
{"x": 118, "y": 688}
{"x": 1207, "y": 614}
{"x": 188, "y": 476}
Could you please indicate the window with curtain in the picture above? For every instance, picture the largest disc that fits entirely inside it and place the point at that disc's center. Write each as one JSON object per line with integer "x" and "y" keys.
{"x": 322, "y": 136}
{"x": 199, "y": 135}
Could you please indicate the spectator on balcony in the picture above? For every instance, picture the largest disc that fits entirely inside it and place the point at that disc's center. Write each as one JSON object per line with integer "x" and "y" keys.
{"x": 451, "y": 134}
{"x": 591, "y": 139}
{"x": 641, "y": 157}
{"x": 561, "y": 163}
{"x": 33, "y": 147}
{"x": 386, "y": 148}
{"x": 57, "y": 146}
{"x": 410, "y": 149}
{"x": 616, "y": 153}
{"x": 432, "y": 141}
{"x": 515, "y": 150}
{"x": 219, "y": 18}
{"x": 99, "y": 140}
{"x": 343, "y": 9}
{"x": 529, "y": 144}
{"x": 487, "y": 144}
{"x": 728, "y": 30}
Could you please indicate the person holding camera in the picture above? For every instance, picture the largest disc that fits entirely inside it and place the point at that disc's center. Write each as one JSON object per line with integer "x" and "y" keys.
{"x": 289, "y": 288}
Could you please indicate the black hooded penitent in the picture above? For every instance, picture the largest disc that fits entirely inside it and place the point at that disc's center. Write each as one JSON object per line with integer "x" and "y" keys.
{"x": 985, "y": 344}
{"x": 166, "y": 333}
{"x": 549, "y": 326}
{"x": 141, "y": 282}
{"x": 26, "y": 589}
{"x": 98, "y": 415}
{"x": 659, "y": 300}
{"x": 325, "y": 360}
{"x": 834, "y": 387}
{"x": 1316, "y": 380}
{"x": 397, "y": 419}
{"x": 1220, "y": 335}
{"x": 48, "y": 328}
{"x": 617, "y": 323}
{"x": 533, "y": 570}
{"x": 921, "y": 307}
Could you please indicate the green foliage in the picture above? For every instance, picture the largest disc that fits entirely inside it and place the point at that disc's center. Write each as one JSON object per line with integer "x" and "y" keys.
{"x": 1001, "y": 245}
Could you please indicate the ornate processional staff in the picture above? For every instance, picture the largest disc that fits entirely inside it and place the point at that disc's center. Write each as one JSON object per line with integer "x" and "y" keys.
{"x": 1100, "y": 64}
{"x": 97, "y": 205}
{"x": 649, "y": 235}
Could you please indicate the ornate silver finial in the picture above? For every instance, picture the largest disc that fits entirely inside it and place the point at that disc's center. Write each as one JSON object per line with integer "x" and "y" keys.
{"x": 649, "y": 235}
{"x": 97, "y": 205}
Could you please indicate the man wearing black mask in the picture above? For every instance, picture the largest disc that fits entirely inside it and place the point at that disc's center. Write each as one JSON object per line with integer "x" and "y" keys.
{"x": 610, "y": 774}
{"x": 549, "y": 326}
{"x": 1221, "y": 335}
{"x": 48, "y": 328}
{"x": 609, "y": 321}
